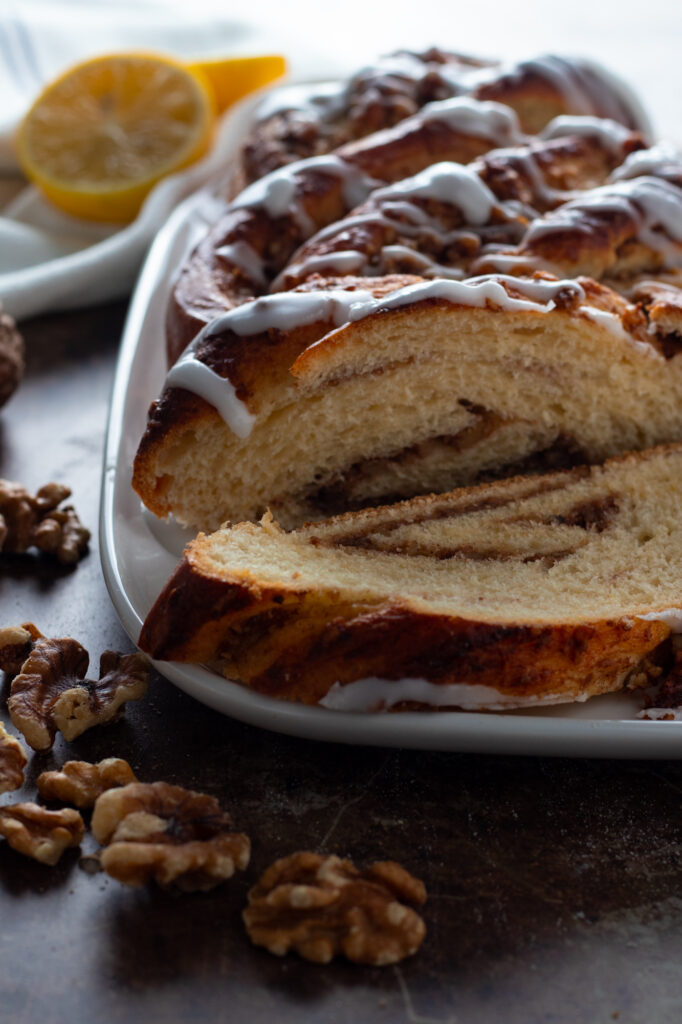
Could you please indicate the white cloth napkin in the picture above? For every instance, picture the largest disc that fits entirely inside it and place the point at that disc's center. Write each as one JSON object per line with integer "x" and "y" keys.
{"x": 49, "y": 260}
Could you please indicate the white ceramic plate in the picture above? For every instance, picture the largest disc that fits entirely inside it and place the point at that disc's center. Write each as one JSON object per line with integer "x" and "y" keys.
{"x": 139, "y": 553}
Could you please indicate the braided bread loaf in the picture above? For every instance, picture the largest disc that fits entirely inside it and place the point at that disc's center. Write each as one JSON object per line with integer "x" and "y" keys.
{"x": 533, "y": 590}
{"x": 341, "y": 391}
{"x": 250, "y": 246}
{"x": 301, "y": 122}
{"x": 357, "y": 392}
{"x": 483, "y": 287}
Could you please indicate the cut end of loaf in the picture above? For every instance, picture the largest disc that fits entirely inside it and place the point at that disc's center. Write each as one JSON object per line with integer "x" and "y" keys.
{"x": 537, "y": 589}
{"x": 414, "y": 400}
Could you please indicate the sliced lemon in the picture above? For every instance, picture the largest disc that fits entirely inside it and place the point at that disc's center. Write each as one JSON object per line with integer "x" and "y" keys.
{"x": 101, "y": 136}
{"x": 232, "y": 78}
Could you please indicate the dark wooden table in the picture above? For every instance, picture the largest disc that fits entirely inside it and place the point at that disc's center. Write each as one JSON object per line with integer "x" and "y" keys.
{"x": 555, "y": 886}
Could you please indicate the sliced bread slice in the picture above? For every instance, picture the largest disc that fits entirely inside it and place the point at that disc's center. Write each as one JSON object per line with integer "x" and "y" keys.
{"x": 357, "y": 392}
{"x": 533, "y": 590}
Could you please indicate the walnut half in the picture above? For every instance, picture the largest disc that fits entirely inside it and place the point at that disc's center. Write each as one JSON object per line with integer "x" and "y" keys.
{"x": 12, "y": 761}
{"x": 169, "y": 834}
{"x": 50, "y": 693}
{"x": 11, "y": 357}
{"x": 80, "y": 783}
{"x": 39, "y": 833}
{"x": 41, "y": 521}
{"x": 16, "y": 643}
{"x": 321, "y": 906}
{"x": 122, "y": 677}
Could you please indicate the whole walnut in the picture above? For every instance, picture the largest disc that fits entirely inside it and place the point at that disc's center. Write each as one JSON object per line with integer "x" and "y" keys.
{"x": 11, "y": 357}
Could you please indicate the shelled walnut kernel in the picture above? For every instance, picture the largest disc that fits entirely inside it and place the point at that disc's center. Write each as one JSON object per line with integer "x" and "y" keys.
{"x": 80, "y": 783}
{"x": 37, "y": 520}
{"x": 12, "y": 761}
{"x": 50, "y": 692}
{"x": 11, "y": 357}
{"x": 322, "y": 906}
{"x": 39, "y": 833}
{"x": 16, "y": 643}
{"x": 169, "y": 834}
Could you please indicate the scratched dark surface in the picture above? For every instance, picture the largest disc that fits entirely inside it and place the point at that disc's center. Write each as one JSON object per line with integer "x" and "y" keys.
{"x": 555, "y": 886}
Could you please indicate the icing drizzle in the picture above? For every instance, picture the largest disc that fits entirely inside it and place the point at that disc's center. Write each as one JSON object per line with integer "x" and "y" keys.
{"x": 611, "y": 134}
{"x": 652, "y": 203}
{"x": 395, "y": 210}
{"x": 288, "y": 310}
{"x": 374, "y": 694}
{"x": 585, "y": 87}
{"x": 484, "y": 119}
{"x": 279, "y": 193}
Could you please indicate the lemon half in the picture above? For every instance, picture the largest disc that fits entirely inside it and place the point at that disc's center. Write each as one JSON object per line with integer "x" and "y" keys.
{"x": 100, "y": 136}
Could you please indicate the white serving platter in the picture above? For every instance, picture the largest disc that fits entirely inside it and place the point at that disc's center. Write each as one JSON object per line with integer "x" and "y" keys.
{"x": 139, "y": 553}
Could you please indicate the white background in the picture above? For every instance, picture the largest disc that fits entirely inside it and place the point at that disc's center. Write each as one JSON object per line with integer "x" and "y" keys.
{"x": 642, "y": 41}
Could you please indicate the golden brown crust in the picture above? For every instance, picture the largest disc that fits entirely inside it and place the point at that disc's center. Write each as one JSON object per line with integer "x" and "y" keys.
{"x": 288, "y": 370}
{"x": 295, "y": 641}
{"x": 382, "y": 96}
{"x": 537, "y": 174}
{"x": 179, "y": 624}
{"x": 565, "y": 660}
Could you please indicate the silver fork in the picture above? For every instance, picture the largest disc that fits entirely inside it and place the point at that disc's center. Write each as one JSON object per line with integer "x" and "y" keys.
{"x": 18, "y": 53}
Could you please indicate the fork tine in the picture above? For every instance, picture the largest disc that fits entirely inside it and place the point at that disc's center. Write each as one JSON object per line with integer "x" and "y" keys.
{"x": 28, "y": 49}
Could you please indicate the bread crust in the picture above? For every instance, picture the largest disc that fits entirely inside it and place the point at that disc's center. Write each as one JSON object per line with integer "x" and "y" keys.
{"x": 214, "y": 280}
{"x": 296, "y": 634}
{"x": 297, "y": 644}
{"x": 381, "y": 96}
{"x": 278, "y": 370}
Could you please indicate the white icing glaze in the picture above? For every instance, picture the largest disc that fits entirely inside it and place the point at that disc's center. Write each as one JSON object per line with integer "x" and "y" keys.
{"x": 610, "y": 134}
{"x": 527, "y": 161}
{"x": 193, "y": 375}
{"x": 242, "y": 255}
{"x": 480, "y": 118}
{"x": 279, "y": 193}
{"x": 653, "y": 203}
{"x": 421, "y": 262}
{"x": 448, "y": 183}
{"x": 583, "y": 84}
{"x": 611, "y": 321}
{"x": 565, "y": 75}
{"x": 343, "y": 261}
{"x": 312, "y": 101}
{"x": 374, "y": 694}
{"x": 614, "y": 325}
{"x": 288, "y": 310}
{"x": 502, "y": 261}
{"x": 489, "y": 288}
{"x": 405, "y": 66}
{"x": 395, "y": 210}
{"x": 356, "y": 220}
{"x": 670, "y": 616}
{"x": 567, "y": 78}
{"x": 648, "y": 161}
